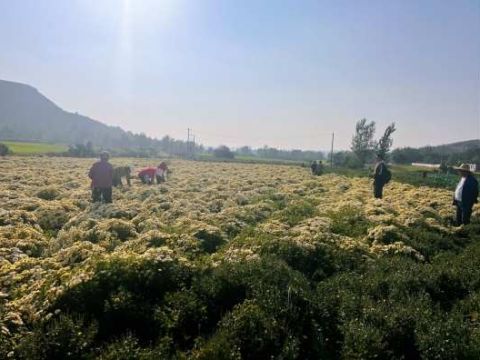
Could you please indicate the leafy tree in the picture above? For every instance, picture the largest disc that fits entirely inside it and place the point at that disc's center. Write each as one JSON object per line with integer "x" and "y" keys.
{"x": 362, "y": 141}
{"x": 4, "y": 150}
{"x": 406, "y": 155}
{"x": 385, "y": 143}
{"x": 245, "y": 151}
{"x": 81, "y": 150}
{"x": 223, "y": 152}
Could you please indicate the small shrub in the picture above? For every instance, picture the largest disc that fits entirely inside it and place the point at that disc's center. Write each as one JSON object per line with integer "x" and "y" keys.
{"x": 4, "y": 150}
{"x": 223, "y": 152}
{"x": 65, "y": 337}
{"x": 210, "y": 241}
{"x": 49, "y": 193}
{"x": 294, "y": 213}
{"x": 52, "y": 219}
{"x": 349, "y": 221}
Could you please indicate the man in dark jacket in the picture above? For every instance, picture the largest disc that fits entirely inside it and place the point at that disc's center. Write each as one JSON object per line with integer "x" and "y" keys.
{"x": 101, "y": 174}
{"x": 380, "y": 177}
{"x": 466, "y": 195}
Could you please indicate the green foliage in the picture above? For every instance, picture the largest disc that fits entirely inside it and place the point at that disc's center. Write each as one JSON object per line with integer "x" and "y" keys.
{"x": 82, "y": 150}
{"x": 406, "y": 174}
{"x": 294, "y": 213}
{"x": 210, "y": 241}
{"x": 122, "y": 296}
{"x": 4, "y": 149}
{"x": 385, "y": 143}
{"x": 349, "y": 221}
{"x": 363, "y": 143}
{"x": 223, "y": 152}
{"x": 454, "y": 154}
{"x": 66, "y": 337}
{"x": 32, "y": 148}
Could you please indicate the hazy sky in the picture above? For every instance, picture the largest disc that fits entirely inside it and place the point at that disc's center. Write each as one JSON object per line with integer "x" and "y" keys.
{"x": 280, "y": 72}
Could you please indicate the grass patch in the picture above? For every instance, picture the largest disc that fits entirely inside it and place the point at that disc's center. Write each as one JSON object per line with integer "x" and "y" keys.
{"x": 32, "y": 148}
{"x": 408, "y": 175}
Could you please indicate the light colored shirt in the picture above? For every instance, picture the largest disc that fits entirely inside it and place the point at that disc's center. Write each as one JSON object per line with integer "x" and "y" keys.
{"x": 459, "y": 189}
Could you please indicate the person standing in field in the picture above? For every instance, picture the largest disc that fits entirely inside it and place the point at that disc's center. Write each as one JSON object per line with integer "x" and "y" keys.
{"x": 317, "y": 168}
{"x": 161, "y": 173}
{"x": 466, "y": 194}
{"x": 381, "y": 176}
{"x": 101, "y": 174}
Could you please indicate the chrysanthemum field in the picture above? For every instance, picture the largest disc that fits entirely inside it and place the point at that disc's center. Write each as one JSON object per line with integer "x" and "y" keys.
{"x": 232, "y": 261}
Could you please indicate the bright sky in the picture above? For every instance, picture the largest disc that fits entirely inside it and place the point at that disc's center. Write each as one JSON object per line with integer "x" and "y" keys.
{"x": 280, "y": 72}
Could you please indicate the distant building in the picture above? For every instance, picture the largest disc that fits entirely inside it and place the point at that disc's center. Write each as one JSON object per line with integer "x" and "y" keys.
{"x": 425, "y": 165}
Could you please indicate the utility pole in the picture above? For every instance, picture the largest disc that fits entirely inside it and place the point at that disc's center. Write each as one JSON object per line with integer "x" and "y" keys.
{"x": 188, "y": 142}
{"x": 193, "y": 147}
{"x": 331, "y": 152}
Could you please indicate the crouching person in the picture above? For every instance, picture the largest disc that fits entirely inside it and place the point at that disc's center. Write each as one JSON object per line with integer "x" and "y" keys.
{"x": 120, "y": 172}
{"x": 147, "y": 175}
{"x": 466, "y": 195}
{"x": 101, "y": 174}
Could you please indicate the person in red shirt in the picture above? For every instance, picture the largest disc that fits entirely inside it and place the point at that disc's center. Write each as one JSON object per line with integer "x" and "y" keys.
{"x": 147, "y": 175}
{"x": 101, "y": 174}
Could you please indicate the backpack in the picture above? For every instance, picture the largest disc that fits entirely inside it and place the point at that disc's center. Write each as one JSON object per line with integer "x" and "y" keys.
{"x": 388, "y": 175}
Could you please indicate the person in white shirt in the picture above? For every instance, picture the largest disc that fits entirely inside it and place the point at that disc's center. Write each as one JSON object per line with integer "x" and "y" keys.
{"x": 466, "y": 195}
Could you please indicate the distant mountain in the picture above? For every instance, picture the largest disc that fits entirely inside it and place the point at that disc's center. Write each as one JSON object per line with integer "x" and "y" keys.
{"x": 455, "y": 148}
{"x": 451, "y": 154}
{"x": 26, "y": 114}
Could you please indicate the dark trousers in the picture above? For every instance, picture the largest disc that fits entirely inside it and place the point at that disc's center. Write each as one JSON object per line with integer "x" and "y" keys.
{"x": 160, "y": 179}
{"x": 145, "y": 179}
{"x": 378, "y": 189}
{"x": 99, "y": 194}
{"x": 463, "y": 214}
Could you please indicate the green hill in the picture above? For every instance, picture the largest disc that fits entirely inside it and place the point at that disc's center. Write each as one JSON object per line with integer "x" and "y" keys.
{"x": 27, "y": 115}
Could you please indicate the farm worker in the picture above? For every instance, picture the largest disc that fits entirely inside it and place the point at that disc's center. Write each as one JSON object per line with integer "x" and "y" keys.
{"x": 147, "y": 175}
{"x": 161, "y": 173}
{"x": 317, "y": 167}
{"x": 381, "y": 176}
{"x": 466, "y": 194}
{"x": 101, "y": 174}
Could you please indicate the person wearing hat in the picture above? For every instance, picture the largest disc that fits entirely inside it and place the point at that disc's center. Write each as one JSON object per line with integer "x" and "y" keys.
{"x": 466, "y": 194}
{"x": 101, "y": 174}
